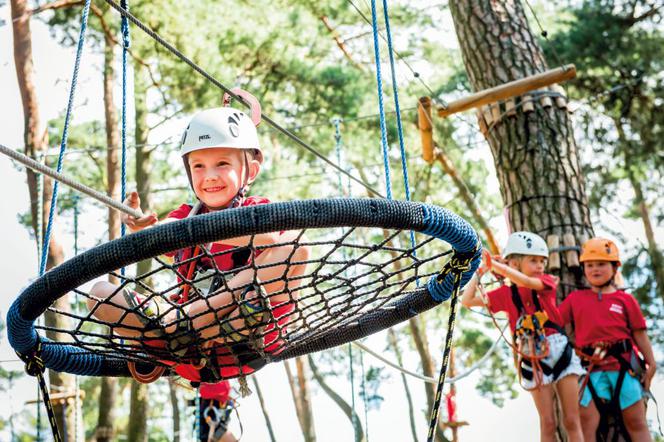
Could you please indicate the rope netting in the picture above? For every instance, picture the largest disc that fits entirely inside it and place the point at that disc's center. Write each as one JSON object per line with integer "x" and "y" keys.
{"x": 359, "y": 276}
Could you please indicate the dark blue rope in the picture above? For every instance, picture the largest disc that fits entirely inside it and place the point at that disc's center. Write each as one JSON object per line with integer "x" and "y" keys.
{"x": 124, "y": 27}
{"x": 65, "y": 134}
{"x": 379, "y": 81}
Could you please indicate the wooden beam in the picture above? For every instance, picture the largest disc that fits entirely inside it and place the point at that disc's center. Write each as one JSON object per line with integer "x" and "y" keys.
{"x": 509, "y": 90}
{"x": 426, "y": 130}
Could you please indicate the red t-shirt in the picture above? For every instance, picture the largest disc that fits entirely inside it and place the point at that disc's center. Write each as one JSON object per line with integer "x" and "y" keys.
{"x": 224, "y": 261}
{"x": 612, "y": 319}
{"x": 272, "y": 341}
{"x": 500, "y": 300}
{"x": 216, "y": 392}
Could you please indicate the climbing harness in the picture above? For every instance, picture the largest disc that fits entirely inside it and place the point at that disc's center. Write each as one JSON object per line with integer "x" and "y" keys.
{"x": 611, "y": 424}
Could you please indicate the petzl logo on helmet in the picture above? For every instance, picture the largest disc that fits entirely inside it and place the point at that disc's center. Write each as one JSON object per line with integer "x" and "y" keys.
{"x": 608, "y": 248}
{"x": 204, "y": 137}
{"x": 233, "y": 122}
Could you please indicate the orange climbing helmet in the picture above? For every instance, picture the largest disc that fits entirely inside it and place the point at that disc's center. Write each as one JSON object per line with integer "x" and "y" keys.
{"x": 599, "y": 249}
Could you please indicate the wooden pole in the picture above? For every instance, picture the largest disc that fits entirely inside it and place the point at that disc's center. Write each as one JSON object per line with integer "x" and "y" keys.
{"x": 426, "y": 130}
{"x": 509, "y": 90}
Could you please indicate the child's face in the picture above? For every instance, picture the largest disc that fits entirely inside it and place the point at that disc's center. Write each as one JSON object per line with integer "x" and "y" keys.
{"x": 217, "y": 174}
{"x": 529, "y": 265}
{"x": 598, "y": 273}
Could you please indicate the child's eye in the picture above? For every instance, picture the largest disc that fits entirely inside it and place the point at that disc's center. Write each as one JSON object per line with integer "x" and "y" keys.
{"x": 222, "y": 163}
{"x": 197, "y": 166}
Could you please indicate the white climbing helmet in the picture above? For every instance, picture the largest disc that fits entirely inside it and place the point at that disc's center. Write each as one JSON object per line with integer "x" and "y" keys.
{"x": 221, "y": 127}
{"x": 525, "y": 243}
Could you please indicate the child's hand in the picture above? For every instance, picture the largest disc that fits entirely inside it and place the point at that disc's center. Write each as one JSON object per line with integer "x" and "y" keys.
{"x": 649, "y": 374}
{"x": 136, "y": 224}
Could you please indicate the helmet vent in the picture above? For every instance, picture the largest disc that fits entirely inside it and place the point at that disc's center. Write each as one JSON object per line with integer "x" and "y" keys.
{"x": 233, "y": 125}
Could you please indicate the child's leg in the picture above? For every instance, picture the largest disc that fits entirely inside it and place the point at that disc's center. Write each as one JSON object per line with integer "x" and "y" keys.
{"x": 543, "y": 397}
{"x": 207, "y": 311}
{"x": 568, "y": 391}
{"x": 634, "y": 417}
{"x": 115, "y": 310}
{"x": 589, "y": 420}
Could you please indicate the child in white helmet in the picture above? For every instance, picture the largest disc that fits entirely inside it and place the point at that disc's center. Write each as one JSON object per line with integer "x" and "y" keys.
{"x": 548, "y": 360}
{"x": 222, "y": 158}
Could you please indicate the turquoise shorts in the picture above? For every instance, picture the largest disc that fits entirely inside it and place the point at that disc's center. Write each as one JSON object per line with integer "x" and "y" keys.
{"x": 604, "y": 383}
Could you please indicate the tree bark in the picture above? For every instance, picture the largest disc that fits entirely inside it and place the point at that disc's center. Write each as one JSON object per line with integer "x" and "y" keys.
{"x": 392, "y": 339}
{"x": 175, "y": 405}
{"x": 268, "y": 422}
{"x": 35, "y": 143}
{"x": 300, "y": 392}
{"x": 105, "y": 424}
{"x": 138, "y": 426}
{"x": 347, "y": 409}
{"x": 535, "y": 153}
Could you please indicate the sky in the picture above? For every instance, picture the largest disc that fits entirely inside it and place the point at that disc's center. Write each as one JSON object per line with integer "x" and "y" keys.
{"x": 517, "y": 420}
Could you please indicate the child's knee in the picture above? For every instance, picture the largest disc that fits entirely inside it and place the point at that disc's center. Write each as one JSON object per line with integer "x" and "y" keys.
{"x": 547, "y": 424}
{"x": 572, "y": 423}
{"x": 100, "y": 290}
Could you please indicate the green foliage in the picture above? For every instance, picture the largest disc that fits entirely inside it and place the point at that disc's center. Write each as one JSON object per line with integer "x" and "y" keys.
{"x": 618, "y": 47}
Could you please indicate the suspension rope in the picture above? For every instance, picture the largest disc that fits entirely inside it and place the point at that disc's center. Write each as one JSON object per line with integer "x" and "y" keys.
{"x": 124, "y": 28}
{"x": 65, "y": 134}
{"x": 427, "y": 379}
{"x": 34, "y": 365}
{"x": 379, "y": 82}
{"x": 395, "y": 92}
{"x": 221, "y": 86}
{"x": 101, "y": 197}
{"x": 77, "y": 399}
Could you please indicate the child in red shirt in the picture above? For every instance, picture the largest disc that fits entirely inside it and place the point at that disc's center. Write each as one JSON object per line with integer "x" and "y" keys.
{"x": 222, "y": 158}
{"x": 608, "y": 323}
{"x": 532, "y": 297}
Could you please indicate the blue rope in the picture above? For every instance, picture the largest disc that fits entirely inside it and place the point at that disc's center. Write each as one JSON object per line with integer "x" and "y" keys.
{"x": 395, "y": 91}
{"x": 65, "y": 133}
{"x": 124, "y": 27}
{"x": 379, "y": 81}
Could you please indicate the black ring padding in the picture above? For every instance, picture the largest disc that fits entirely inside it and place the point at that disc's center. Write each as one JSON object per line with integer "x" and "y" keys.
{"x": 220, "y": 225}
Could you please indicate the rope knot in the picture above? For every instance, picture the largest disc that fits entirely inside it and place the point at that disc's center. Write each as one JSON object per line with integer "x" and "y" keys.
{"x": 34, "y": 364}
{"x": 457, "y": 265}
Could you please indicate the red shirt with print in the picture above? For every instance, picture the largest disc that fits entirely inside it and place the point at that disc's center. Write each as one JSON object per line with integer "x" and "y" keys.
{"x": 500, "y": 300}
{"x": 613, "y": 318}
{"x": 273, "y": 332}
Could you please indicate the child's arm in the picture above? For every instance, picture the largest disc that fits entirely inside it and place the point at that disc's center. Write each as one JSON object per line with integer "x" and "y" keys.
{"x": 263, "y": 239}
{"x": 516, "y": 276}
{"x": 642, "y": 341}
{"x": 469, "y": 298}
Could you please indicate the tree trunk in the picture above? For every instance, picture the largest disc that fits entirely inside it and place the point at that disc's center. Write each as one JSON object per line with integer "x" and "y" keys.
{"x": 534, "y": 151}
{"x": 300, "y": 392}
{"x": 108, "y": 393}
{"x": 392, "y": 339}
{"x": 268, "y": 422}
{"x": 35, "y": 144}
{"x": 138, "y": 426}
{"x": 175, "y": 405}
{"x": 345, "y": 407}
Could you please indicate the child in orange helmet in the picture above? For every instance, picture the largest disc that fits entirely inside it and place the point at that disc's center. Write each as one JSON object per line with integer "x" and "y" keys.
{"x": 609, "y": 327}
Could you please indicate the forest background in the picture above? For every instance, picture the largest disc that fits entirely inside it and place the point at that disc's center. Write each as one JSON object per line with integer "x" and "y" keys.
{"x": 311, "y": 62}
